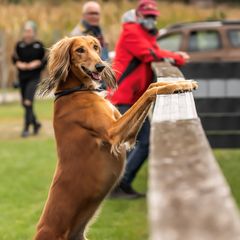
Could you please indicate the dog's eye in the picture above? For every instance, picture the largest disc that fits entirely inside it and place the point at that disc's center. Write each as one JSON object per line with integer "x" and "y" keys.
{"x": 80, "y": 50}
{"x": 95, "y": 47}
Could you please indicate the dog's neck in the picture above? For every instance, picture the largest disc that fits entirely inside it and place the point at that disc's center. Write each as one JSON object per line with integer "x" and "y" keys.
{"x": 73, "y": 81}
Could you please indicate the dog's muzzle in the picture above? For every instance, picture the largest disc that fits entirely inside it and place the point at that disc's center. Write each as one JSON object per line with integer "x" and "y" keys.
{"x": 99, "y": 67}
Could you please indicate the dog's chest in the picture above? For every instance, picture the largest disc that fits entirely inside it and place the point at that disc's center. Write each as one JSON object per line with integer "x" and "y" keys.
{"x": 112, "y": 109}
{"x": 106, "y": 106}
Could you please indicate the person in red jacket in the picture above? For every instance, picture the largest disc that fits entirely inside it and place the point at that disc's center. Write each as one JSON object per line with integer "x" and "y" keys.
{"x": 136, "y": 49}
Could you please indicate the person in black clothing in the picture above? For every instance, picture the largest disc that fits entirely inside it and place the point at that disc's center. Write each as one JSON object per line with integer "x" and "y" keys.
{"x": 29, "y": 58}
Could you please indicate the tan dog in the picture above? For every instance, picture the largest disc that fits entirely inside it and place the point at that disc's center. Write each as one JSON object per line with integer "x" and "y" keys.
{"x": 91, "y": 136}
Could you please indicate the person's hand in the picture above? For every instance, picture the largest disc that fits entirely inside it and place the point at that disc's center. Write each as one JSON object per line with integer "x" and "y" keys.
{"x": 22, "y": 65}
{"x": 34, "y": 64}
{"x": 184, "y": 55}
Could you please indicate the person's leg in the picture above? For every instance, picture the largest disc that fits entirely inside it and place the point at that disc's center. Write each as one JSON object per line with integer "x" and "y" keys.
{"x": 123, "y": 108}
{"x": 23, "y": 85}
{"x": 138, "y": 155}
{"x": 32, "y": 90}
{"x": 135, "y": 159}
{"x": 28, "y": 101}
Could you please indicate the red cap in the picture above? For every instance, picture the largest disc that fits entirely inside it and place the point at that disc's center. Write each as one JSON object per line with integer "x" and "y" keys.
{"x": 147, "y": 7}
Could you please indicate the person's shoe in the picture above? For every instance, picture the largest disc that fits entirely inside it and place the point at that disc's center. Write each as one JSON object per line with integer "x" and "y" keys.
{"x": 129, "y": 190}
{"x": 25, "y": 133}
{"x": 36, "y": 128}
{"x": 125, "y": 192}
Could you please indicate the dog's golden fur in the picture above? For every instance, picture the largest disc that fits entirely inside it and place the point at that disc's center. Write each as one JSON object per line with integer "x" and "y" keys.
{"x": 91, "y": 137}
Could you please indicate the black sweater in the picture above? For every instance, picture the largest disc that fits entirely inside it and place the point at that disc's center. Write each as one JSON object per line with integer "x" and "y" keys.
{"x": 26, "y": 53}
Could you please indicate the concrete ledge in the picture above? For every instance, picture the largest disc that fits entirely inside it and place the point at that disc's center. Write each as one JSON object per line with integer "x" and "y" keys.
{"x": 174, "y": 107}
{"x": 188, "y": 197}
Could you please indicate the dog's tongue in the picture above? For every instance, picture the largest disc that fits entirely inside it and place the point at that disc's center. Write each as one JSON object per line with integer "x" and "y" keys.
{"x": 96, "y": 76}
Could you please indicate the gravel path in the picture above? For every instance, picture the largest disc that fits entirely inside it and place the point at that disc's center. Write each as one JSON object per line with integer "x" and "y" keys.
{"x": 6, "y": 97}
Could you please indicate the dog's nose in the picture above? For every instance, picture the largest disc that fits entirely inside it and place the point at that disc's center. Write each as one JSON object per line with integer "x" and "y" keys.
{"x": 99, "y": 67}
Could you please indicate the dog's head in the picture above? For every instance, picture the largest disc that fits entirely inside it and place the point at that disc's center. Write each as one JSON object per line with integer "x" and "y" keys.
{"x": 81, "y": 57}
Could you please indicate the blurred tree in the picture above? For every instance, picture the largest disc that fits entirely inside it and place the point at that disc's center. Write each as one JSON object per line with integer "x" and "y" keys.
{"x": 202, "y": 3}
{"x": 56, "y": 2}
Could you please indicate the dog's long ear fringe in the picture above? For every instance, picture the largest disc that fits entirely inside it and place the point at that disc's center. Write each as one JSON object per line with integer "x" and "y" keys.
{"x": 108, "y": 76}
{"x": 58, "y": 66}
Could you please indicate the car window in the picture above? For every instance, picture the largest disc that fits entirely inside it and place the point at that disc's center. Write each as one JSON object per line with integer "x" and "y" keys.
{"x": 170, "y": 42}
{"x": 234, "y": 37}
{"x": 204, "y": 41}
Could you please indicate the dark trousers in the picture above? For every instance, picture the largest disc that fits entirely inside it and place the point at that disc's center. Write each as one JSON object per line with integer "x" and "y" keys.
{"x": 28, "y": 88}
{"x": 139, "y": 153}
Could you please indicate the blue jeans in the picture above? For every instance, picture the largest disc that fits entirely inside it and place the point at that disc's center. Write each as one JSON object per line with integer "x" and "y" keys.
{"x": 139, "y": 154}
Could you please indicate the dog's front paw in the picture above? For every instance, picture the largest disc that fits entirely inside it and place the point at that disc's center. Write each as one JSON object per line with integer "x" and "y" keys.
{"x": 184, "y": 86}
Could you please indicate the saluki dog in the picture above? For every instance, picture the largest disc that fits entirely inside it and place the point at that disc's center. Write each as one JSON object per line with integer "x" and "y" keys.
{"x": 91, "y": 135}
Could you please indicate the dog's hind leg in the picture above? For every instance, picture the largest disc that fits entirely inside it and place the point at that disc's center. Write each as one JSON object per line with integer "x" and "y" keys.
{"x": 46, "y": 234}
{"x": 79, "y": 235}
{"x": 83, "y": 221}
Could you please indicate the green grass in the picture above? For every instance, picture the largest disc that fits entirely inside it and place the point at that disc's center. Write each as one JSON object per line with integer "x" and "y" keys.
{"x": 25, "y": 174}
{"x": 13, "y": 111}
{"x": 229, "y": 161}
{"x": 26, "y": 169}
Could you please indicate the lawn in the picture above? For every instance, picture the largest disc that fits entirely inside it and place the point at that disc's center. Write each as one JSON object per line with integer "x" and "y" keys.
{"x": 26, "y": 169}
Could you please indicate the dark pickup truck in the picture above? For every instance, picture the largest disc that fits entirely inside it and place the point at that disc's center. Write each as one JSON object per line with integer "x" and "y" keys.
{"x": 214, "y": 48}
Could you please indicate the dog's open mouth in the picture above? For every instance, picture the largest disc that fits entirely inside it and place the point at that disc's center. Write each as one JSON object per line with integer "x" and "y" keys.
{"x": 94, "y": 75}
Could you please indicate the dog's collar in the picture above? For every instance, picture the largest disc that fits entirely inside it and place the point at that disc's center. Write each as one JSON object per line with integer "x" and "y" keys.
{"x": 75, "y": 89}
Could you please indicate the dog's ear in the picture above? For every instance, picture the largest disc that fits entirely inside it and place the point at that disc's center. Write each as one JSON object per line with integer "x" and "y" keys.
{"x": 108, "y": 75}
{"x": 58, "y": 65}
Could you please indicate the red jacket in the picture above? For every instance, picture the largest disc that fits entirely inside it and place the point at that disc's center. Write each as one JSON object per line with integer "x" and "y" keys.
{"x": 136, "y": 42}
